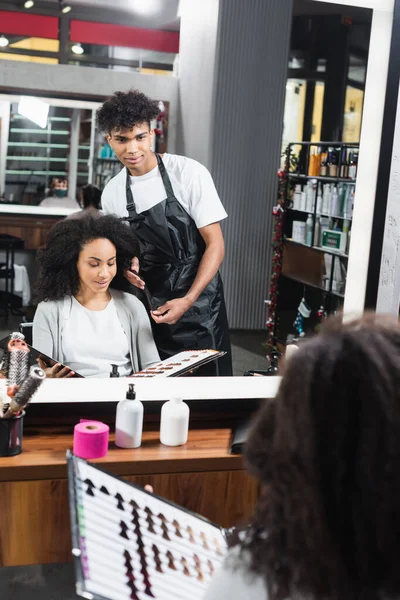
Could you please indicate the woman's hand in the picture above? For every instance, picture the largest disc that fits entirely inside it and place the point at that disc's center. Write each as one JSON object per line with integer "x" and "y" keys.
{"x": 149, "y": 488}
{"x": 57, "y": 371}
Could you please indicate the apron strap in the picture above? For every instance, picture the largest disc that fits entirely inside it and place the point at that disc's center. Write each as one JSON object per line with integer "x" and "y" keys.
{"x": 130, "y": 204}
{"x": 165, "y": 177}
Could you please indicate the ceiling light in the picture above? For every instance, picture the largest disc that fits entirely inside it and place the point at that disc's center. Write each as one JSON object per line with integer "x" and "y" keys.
{"x": 77, "y": 49}
{"x": 29, "y": 3}
{"x": 65, "y": 9}
{"x": 34, "y": 109}
{"x": 3, "y": 41}
{"x": 147, "y": 7}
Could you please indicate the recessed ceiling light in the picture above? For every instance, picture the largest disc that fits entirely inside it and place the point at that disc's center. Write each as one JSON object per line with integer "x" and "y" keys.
{"x": 77, "y": 49}
{"x": 3, "y": 41}
{"x": 29, "y": 3}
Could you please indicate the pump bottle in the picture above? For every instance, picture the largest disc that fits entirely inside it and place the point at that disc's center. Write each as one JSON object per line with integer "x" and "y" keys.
{"x": 129, "y": 421}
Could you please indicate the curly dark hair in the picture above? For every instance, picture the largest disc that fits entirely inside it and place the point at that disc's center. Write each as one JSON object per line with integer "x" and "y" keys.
{"x": 58, "y": 273}
{"x": 124, "y": 110}
{"x": 327, "y": 453}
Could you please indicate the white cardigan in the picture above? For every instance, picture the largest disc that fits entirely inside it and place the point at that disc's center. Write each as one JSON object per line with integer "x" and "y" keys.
{"x": 49, "y": 316}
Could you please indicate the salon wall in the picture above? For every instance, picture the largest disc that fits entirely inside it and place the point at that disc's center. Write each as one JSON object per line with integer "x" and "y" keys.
{"x": 243, "y": 70}
{"x": 69, "y": 81}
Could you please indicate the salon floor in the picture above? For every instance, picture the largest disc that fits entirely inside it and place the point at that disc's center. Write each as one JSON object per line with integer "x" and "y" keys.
{"x": 56, "y": 582}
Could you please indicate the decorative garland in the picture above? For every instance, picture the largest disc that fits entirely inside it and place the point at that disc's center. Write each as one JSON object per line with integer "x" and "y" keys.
{"x": 277, "y": 251}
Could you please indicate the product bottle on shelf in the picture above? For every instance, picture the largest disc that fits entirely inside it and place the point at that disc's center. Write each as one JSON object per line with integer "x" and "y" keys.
{"x": 309, "y": 230}
{"x": 311, "y": 164}
{"x": 334, "y": 210}
{"x": 303, "y": 200}
{"x": 344, "y": 167}
{"x": 326, "y": 200}
{"x": 333, "y": 163}
{"x": 353, "y": 166}
{"x": 317, "y": 232}
{"x": 297, "y": 197}
{"x": 323, "y": 171}
{"x": 319, "y": 201}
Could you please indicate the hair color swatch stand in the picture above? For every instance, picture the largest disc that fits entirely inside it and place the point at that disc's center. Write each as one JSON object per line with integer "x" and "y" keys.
{"x": 129, "y": 544}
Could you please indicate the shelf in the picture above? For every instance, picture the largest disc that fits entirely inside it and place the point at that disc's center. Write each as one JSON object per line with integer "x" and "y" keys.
{"x": 53, "y": 173}
{"x": 37, "y": 145}
{"x": 60, "y": 119}
{"x": 318, "y": 249}
{"x": 44, "y": 159}
{"x": 312, "y": 285}
{"x": 108, "y": 160}
{"x": 323, "y": 144}
{"x": 307, "y": 212}
{"x": 37, "y": 158}
{"x": 319, "y": 178}
{"x": 20, "y": 172}
{"x": 41, "y": 131}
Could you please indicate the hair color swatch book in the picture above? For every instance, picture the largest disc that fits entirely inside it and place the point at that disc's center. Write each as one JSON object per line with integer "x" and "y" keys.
{"x": 129, "y": 544}
{"x": 180, "y": 364}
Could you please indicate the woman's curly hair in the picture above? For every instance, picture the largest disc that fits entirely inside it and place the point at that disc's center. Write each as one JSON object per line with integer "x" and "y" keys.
{"x": 327, "y": 453}
{"x": 124, "y": 110}
{"x": 58, "y": 273}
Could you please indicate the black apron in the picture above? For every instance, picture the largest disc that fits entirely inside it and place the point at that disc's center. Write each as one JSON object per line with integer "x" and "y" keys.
{"x": 171, "y": 249}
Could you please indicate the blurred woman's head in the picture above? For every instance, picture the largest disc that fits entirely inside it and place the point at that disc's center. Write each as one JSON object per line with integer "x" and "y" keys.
{"x": 327, "y": 452}
{"x": 90, "y": 197}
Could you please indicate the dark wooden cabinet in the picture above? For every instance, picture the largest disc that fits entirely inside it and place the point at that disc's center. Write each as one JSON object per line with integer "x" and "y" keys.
{"x": 33, "y": 229}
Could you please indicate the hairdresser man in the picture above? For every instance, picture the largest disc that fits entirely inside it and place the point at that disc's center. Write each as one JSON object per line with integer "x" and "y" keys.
{"x": 173, "y": 207}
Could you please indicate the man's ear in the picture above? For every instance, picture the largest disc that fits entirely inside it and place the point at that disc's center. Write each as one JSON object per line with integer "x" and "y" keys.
{"x": 108, "y": 138}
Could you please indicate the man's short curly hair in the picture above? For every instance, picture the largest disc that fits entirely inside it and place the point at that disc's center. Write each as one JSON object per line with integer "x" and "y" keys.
{"x": 57, "y": 259}
{"x": 124, "y": 110}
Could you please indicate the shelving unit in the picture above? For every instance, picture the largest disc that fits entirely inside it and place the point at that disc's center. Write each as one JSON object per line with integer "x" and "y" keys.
{"x": 35, "y": 155}
{"x": 308, "y": 269}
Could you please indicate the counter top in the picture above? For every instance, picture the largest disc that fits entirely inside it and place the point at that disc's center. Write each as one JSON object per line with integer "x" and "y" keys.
{"x": 21, "y": 209}
{"x": 202, "y": 476}
{"x": 44, "y": 455}
{"x": 66, "y": 391}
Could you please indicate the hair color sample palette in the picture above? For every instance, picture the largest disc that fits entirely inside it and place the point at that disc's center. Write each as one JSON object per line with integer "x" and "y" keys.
{"x": 132, "y": 545}
{"x": 180, "y": 364}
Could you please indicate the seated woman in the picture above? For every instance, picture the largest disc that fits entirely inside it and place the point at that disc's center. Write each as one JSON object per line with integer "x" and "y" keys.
{"x": 80, "y": 321}
{"x": 327, "y": 455}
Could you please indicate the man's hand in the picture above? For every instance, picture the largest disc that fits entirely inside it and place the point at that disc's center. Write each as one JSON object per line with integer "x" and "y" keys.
{"x": 132, "y": 274}
{"x": 171, "y": 311}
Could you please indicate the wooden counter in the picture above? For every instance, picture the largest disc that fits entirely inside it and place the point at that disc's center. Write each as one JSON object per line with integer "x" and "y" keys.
{"x": 34, "y": 510}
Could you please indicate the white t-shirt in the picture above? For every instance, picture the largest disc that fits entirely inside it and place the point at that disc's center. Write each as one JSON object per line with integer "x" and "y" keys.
{"x": 56, "y": 202}
{"x": 235, "y": 581}
{"x": 93, "y": 340}
{"x": 192, "y": 184}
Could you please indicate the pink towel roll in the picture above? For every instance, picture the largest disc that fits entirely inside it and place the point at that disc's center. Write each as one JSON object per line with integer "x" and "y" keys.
{"x": 91, "y": 439}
